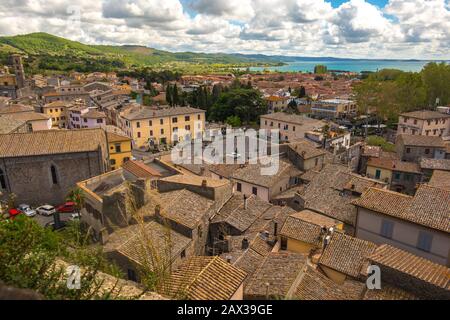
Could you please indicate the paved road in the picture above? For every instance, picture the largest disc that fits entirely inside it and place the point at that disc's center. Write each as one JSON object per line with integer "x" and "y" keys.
{"x": 43, "y": 220}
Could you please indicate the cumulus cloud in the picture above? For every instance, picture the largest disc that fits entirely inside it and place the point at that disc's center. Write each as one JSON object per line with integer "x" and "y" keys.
{"x": 401, "y": 29}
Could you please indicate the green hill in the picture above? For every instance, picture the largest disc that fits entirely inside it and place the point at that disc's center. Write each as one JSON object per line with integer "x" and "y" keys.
{"x": 48, "y": 52}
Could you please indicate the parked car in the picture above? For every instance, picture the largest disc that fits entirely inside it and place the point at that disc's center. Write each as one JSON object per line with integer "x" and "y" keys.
{"x": 26, "y": 209}
{"x": 67, "y": 207}
{"x": 46, "y": 210}
{"x": 75, "y": 216}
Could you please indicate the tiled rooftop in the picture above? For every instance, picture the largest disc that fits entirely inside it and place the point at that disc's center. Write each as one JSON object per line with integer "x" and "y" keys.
{"x": 421, "y": 141}
{"x": 347, "y": 254}
{"x": 316, "y": 286}
{"x": 430, "y": 206}
{"x": 415, "y": 266}
{"x": 205, "y": 278}
{"x": 51, "y": 142}
{"x": 276, "y": 276}
{"x": 425, "y": 115}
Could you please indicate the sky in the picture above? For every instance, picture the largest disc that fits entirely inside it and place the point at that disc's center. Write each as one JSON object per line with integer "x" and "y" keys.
{"x": 395, "y": 29}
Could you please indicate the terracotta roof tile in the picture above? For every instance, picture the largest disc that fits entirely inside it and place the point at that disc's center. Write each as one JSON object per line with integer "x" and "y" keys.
{"x": 430, "y": 206}
{"x": 412, "y": 265}
{"x": 316, "y": 286}
{"x": 205, "y": 278}
{"x": 421, "y": 141}
{"x": 347, "y": 254}
{"x": 51, "y": 142}
{"x": 140, "y": 170}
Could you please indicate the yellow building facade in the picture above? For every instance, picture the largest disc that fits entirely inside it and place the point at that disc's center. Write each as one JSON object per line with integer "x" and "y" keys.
{"x": 57, "y": 111}
{"x": 378, "y": 173}
{"x": 120, "y": 148}
{"x": 162, "y": 126}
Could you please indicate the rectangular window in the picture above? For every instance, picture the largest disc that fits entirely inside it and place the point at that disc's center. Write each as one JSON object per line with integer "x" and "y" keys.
{"x": 174, "y": 120}
{"x": 151, "y": 133}
{"x": 408, "y": 150}
{"x": 150, "y": 123}
{"x": 198, "y": 117}
{"x": 239, "y": 187}
{"x": 162, "y": 131}
{"x": 132, "y": 275}
{"x": 188, "y": 127}
{"x": 118, "y": 148}
{"x": 187, "y": 118}
{"x": 387, "y": 229}
{"x": 138, "y": 124}
{"x": 161, "y": 121}
{"x": 283, "y": 243}
{"x": 255, "y": 191}
{"x": 138, "y": 134}
{"x": 424, "y": 241}
{"x": 377, "y": 174}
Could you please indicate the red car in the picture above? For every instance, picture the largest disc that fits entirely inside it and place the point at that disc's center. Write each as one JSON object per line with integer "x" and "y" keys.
{"x": 67, "y": 207}
{"x": 13, "y": 213}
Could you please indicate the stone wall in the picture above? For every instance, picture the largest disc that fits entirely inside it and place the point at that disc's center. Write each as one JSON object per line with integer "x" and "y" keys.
{"x": 30, "y": 178}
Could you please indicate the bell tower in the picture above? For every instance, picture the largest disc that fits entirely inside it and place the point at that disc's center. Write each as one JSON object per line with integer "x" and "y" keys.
{"x": 18, "y": 70}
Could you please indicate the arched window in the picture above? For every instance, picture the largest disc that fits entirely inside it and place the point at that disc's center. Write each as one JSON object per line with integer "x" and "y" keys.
{"x": 54, "y": 175}
{"x": 2, "y": 180}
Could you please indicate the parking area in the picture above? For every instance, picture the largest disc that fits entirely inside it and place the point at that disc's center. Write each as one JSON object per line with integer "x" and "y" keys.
{"x": 43, "y": 220}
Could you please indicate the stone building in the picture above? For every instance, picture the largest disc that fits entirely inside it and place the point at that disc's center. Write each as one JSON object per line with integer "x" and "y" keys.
{"x": 42, "y": 167}
{"x": 425, "y": 122}
{"x": 413, "y": 147}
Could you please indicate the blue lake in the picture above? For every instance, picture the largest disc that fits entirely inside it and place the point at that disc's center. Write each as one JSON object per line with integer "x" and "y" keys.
{"x": 348, "y": 65}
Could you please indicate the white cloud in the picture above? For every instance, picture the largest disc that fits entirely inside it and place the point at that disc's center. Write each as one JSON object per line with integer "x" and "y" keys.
{"x": 403, "y": 29}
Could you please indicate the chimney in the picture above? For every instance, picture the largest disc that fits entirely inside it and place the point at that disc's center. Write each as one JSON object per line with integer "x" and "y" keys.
{"x": 245, "y": 244}
{"x": 229, "y": 259}
{"x": 326, "y": 242}
{"x": 157, "y": 210}
{"x": 202, "y": 171}
{"x": 303, "y": 154}
{"x": 245, "y": 202}
{"x": 204, "y": 184}
{"x": 275, "y": 229}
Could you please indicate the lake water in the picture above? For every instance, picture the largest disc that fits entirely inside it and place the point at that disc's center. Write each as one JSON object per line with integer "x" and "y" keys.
{"x": 348, "y": 65}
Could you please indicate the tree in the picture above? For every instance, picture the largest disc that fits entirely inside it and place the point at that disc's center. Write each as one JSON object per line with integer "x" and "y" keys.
{"x": 169, "y": 95}
{"x": 320, "y": 69}
{"x": 292, "y": 107}
{"x": 76, "y": 196}
{"x": 175, "y": 96}
{"x": 436, "y": 80}
{"x": 33, "y": 257}
{"x": 247, "y": 104}
{"x": 234, "y": 121}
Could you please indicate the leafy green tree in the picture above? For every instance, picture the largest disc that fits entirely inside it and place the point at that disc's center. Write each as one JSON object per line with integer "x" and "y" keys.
{"x": 436, "y": 80}
{"x": 320, "y": 69}
{"x": 77, "y": 196}
{"x": 292, "y": 107}
{"x": 33, "y": 257}
{"x": 169, "y": 95}
{"x": 247, "y": 104}
{"x": 234, "y": 121}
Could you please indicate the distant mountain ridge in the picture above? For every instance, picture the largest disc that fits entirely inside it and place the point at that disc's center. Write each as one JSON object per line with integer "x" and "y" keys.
{"x": 48, "y": 48}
